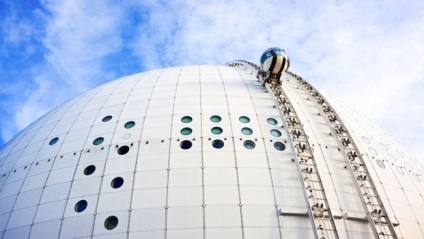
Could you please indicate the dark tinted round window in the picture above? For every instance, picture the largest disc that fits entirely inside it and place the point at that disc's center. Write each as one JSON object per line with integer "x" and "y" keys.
{"x": 275, "y": 132}
{"x": 111, "y": 222}
{"x": 117, "y": 182}
{"x": 279, "y": 146}
{"x": 216, "y": 130}
{"x": 186, "y": 131}
{"x": 217, "y": 144}
{"x": 80, "y": 206}
{"x": 89, "y": 170}
{"x": 246, "y": 131}
{"x": 123, "y": 150}
{"x": 53, "y": 141}
{"x": 186, "y": 144}
{"x": 186, "y": 119}
{"x": 244, "y": 119}
{"x": 216, "y": 118}
{"x": 98, "y": 141}
{"x": 249, "y": 144}
{"x": 129, "y": 124}
{"x": 271, "y": 121}
{"x": 107, "y": 118}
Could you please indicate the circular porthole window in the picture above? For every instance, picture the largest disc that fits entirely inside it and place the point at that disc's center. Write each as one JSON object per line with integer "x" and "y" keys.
{"x": 98, "y": 141}
{"x": 117, "y": 182}
{"x": 129, "y": 124}
{"x": 244, "y": 119}
{"x": 373, "y": 151}
{"x": 123, "y": 150}
{"x": 391, "y": 157}
{"x": 53, "y": 141}
{"x": 218, "y": 144}
{"x": 249, "y": 144}
{"x": 215, "y": 118}
{"x": 380, "y": 163}
{"x": 272, "y": 121}
{"x": 279, "y": 146}
{"x": 186, "y": 119}
{"x": 246, "y": 131}
{"x": 186, "y": 131}
{"x": 111, "y": 222}
{"x": 186, "y": 144}
{"x": 216, "y": 130}
{"x": 89, "y": 170}
{"x": 365, "y": 139}
{"x": 107, "y": 118}
{"x": 400, "y": 170}
{"x": 275, "y": 132}
{"x": 80, "y": 206}
{"x": 383, "y": 146}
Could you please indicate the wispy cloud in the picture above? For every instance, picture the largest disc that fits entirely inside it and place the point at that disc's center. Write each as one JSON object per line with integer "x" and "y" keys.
{"x": 369, "y": 54}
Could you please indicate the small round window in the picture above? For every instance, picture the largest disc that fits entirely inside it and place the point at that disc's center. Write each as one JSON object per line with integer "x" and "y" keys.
{"x": 373, "y": 151}
{"x": 117, "y": 182}
{"x": 123, "y": 150}
{"x": 383, "y": 146}
{"x": 246, "y": 131}
{"x": 111, "y": 222}
{"x": 186, "y": 144}
{"x": 216, "y": 130}
{"x": 53, "y": 141}
{"x": 80, "y": 206}
{"x": 129, "y": 124}
{"x": 380, "y": 163}
{"x": 249, "y": 144}
{"x": 279, "y": 146}
{"x": 107, "y": 118}
{"x": 89, "y": 170}
{"x": 391, "y": 157}
{"x": 186, "y": 119}
{"x": 186, "y": 131}
{"x": 271, "y": 121}
{"x": 400, "y": 170}
{"x": 244, "y": 119}
{"x": 218, "y": 144}
{"x": 98, "y": 141}
{"x": 216, "y": 118}
{"x": 275, "y": 132}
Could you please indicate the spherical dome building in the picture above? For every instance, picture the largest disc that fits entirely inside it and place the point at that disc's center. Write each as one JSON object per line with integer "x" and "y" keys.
{"x": 207, "y": 152}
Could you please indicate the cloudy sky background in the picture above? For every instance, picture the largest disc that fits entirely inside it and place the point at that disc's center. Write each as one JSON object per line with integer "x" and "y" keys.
{"x": 369, "y": 54}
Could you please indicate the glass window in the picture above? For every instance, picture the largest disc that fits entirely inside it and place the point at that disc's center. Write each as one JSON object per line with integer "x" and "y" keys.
{"x": 186, "y": 119}
{"x": 244, "y": 119}
{"x": 107, "y": 118}
{"x": 275, "y": 132}
{"x": 129, "y": 124}
{"x": 111, "y": 222}
{"x": 249, "y": 144}
{"x": 246, "y": 131}
{"x": 217, "y": 144}
{"x": 279, "y": 146}
{"x": 53, "y": 141}
{"x": 80, "y": 206}
{"x": 98, "y": 141}
{"x": 391, "y": 157}
{"x": 89, "y": 170}
{"x": 186, "y": 144}
{"x": 186, "y": 131}
{"x": 216, "y": 130}
{"x": 272, "y": 121}
{"x": 123, "y": 150}
{"x": 380, "y": 163}
{"x": 215, "y": 118}
{"x": 117, "y": 182}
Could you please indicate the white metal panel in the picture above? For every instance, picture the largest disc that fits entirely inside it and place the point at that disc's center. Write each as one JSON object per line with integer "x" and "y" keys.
{"x": 259, "y": 216}
{"x": 222, "y": 216}
{"x": 223, "y": 233}
{"x": 152, "y": 162}
{"x": 149, "y": 198}
{"x": 22, "y": 232}
{"x": 73, "y": 227}
{"x": 147, "y": 219}
{"x": 34, "y": 182}
{"x": 55, "y": 192}
{"x": 186, "y": 160}
{"x": 46, "y": 230}
{"x": 21, "y": 217}
{"x": 11, "y": 189}
{"x": 151, "y": 179}
{"x": 185, "y": 196}
{"x": 185, "y": 177}
{"x": 7, "y": 204}
{"x": 60, "y": 175}
{"x": 116, "y": 201}
{"x": 185, "y": 217}
{"x": 72, "y": 202}
{"x": 269, "y": 233}
{"x": 256, "y": 195}
{"x": 85, "y": 187}
{"x": 254, "y": 176}
{"x": 50, "y": 211}
{"x": 220, "y": 176}
{"x": 221, "y": 195}
{"x": 184, "y": 233}
{"x": 124, "y": 165}
{"x": 28, "y": 199}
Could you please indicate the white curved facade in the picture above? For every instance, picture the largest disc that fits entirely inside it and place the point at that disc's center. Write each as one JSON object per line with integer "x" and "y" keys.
{"x": 124, "y": 160}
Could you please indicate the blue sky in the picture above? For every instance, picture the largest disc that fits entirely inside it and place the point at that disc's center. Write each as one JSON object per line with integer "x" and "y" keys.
{"x": 369, "y": 54}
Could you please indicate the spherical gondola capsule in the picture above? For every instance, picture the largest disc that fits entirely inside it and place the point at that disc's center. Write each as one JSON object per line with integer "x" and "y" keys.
{"x": 275, "y": 61}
